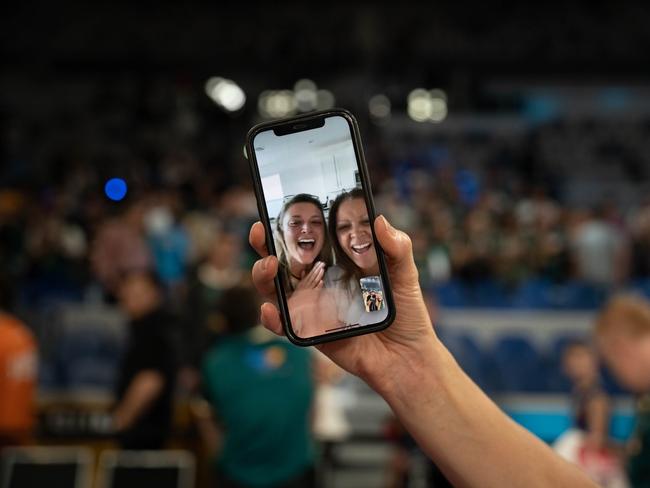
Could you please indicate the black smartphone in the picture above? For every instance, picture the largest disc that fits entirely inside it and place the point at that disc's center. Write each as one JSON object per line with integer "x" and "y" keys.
{"x": 315, "y": 201}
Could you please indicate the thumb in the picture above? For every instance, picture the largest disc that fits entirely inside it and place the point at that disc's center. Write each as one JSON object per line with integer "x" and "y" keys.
{"x": 399, "y": 253}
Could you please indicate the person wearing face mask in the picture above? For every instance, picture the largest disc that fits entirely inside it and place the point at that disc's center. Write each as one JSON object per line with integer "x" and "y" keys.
{"x": 353, "y": 284}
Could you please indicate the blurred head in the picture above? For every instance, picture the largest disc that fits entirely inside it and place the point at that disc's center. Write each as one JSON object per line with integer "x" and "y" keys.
{"x": 301, "y": 231}
{"x": 579, "y": 363}
{"x": 623, "y": 338}
{"x": 139, "y": 292}
{"x": 225, "y": 250}
{"x": 238, "y": 309}
{"x": 353, "y": 246}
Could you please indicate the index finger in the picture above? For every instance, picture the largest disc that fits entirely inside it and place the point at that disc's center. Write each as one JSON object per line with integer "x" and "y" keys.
{"x": 257, "y": 239}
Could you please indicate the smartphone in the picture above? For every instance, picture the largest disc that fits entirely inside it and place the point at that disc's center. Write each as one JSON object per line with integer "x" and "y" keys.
{"x": 315, "y": 201}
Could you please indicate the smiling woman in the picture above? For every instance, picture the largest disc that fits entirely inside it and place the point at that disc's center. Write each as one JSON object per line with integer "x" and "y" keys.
{"x": 301, "y": 241}
{"x": 353, "y": 284}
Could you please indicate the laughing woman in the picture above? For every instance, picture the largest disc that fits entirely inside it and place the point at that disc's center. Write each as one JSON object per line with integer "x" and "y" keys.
{"x": 303, "y": 246}
{"x": 304, "y": 254}
{"x": 356, "y": 263}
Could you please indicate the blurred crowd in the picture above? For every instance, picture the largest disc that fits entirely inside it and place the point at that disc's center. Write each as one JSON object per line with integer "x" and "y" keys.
{"x": 173, "y": 253}
{"x": 472, "y": 216}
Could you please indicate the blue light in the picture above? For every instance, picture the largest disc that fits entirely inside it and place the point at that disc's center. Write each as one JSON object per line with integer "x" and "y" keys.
{"x": 115, "y": 189}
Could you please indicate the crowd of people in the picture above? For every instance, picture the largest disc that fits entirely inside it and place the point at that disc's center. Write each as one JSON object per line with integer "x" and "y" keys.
{"x": 175, "y": 251}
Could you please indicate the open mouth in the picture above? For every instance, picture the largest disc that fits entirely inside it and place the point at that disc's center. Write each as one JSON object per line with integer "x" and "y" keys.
{"x": 361, "y": 248}
{"x": 306, "y": 244}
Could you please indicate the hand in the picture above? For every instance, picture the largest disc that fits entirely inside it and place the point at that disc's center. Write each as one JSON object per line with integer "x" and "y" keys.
{"x": 312, "y": 279}
{"x": 377, "y": 358}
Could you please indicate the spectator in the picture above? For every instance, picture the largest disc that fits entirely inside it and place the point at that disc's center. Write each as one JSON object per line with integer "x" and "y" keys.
{"x": 168, "y": 243}
{"x": 640, "y": 223}
{"x": 587, "y": 443}
{"x": 261, "y": 390}
{"x": 18, "y": 357}
{"x": 599, "y": 251}
{"x": 143, "y": 413}
{"x": 120, "y": 247}
{"x": 219, "y": 271}
{"x": 623, "y": 336}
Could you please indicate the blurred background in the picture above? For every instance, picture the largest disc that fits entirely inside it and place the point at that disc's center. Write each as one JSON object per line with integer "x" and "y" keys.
{"x": 511, "y": 141}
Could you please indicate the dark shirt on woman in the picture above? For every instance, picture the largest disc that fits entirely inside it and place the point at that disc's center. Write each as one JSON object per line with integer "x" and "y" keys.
{"x": 150, "y": 348}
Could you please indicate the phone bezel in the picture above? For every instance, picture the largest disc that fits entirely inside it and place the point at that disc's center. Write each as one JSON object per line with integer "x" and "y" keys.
{"x": 309, "y": 119}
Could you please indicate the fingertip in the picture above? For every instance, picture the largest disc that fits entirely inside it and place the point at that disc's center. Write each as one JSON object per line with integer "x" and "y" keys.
{"x": 388, "y": 237}
{"x": 270, "y": 265}
{"x": 387, "y": 228}
{"x": 257, "y": 238}
{"x": 270, "y": 318}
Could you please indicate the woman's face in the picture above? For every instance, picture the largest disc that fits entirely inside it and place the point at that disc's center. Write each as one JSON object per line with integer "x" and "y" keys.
{"x": 304, "y": 232}
{"x": 354, "y": 234}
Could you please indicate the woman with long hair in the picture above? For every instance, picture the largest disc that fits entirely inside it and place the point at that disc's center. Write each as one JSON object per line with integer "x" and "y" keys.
{"x": 356, "y": 262}
{"x": 302, "y": 243}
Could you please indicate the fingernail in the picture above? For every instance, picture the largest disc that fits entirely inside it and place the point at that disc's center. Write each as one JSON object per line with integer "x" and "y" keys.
{"x": 391, "y": 230}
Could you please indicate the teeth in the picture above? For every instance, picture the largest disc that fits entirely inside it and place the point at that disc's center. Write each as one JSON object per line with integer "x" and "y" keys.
{"x": 361, "y": 247}
{"x": 307, "y": 241}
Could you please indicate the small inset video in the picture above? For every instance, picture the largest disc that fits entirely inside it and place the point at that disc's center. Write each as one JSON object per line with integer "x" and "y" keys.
{"x": 372, "y": 293}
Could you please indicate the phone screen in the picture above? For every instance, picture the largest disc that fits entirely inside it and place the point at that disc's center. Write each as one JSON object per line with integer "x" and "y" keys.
{"x": 315, "y": 200}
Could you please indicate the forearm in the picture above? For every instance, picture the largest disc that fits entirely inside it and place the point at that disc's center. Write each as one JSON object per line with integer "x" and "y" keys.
{"x": 464, "y": 432}
{"x": 208, "y": 430}
{"x": 141, "y": 393}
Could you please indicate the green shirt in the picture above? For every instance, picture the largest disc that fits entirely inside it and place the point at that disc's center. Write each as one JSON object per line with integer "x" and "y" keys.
{"x": 262, "y": 394}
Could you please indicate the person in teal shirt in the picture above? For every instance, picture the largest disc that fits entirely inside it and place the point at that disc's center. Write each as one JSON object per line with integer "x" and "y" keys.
{"x": 261, "y": 390}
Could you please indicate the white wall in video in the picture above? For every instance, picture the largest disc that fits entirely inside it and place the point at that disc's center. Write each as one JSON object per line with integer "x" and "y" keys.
{"x": 319, "y": 162}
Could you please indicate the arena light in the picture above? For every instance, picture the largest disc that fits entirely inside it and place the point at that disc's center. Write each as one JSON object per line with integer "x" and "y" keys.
{"x": 276, "y": 103}
{"x": 419, "y": 105}
{"x": 306, "y": 96}
{"x": 438, "y": 105}
{"x": 427, "y": 106}
{"x": 116, "y": 189}
{"x": 325, "y": 99}
{"x": 379, "y": 108}
{"x": 225, "y": 93}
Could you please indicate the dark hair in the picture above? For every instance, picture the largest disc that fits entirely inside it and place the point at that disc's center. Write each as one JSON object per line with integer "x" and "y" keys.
{"x": 325, "y": 254}
{"x": 7, "y": 295}
{"x": 238, "y": 307}
{"x": 147, "y": 273}
{"x": 343, "y": 260}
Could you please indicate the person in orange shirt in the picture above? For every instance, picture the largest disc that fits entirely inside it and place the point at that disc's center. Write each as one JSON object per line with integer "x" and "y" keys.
{"x": 18, "y": 360}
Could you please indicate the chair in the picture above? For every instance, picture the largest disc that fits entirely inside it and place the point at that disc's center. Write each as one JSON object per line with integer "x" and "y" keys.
{"x": 51, "y": 467}
{"x": 471, "y": 358}
{"x": 518, "y": 365}
{"x": 451, "y": 294}
{"x": 91, "y": 359}
{"x": 489, "y": 294}
{"x": 532, "y": 294}
{"x": 138, "y": 469}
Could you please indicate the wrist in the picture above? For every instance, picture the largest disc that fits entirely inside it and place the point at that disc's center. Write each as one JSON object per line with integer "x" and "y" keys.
{"x": 412, "y": 369}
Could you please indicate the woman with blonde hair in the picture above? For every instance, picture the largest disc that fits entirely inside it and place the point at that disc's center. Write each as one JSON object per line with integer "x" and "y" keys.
{"x": 302, "y": 243}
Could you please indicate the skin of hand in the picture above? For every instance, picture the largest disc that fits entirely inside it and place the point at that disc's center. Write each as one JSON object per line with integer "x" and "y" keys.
{"x": 313, "y": 278}
{"x": 370, "y": 356}
{"x": 140, "y": 394}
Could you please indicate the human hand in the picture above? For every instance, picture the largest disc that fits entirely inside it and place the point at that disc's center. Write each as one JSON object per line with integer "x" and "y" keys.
{"x": 376, "y": 358}
{"x": 312, "y": 279}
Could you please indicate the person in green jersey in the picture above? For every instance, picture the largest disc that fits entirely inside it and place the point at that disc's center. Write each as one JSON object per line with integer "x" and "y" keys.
{"x": 260, "y": 389}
